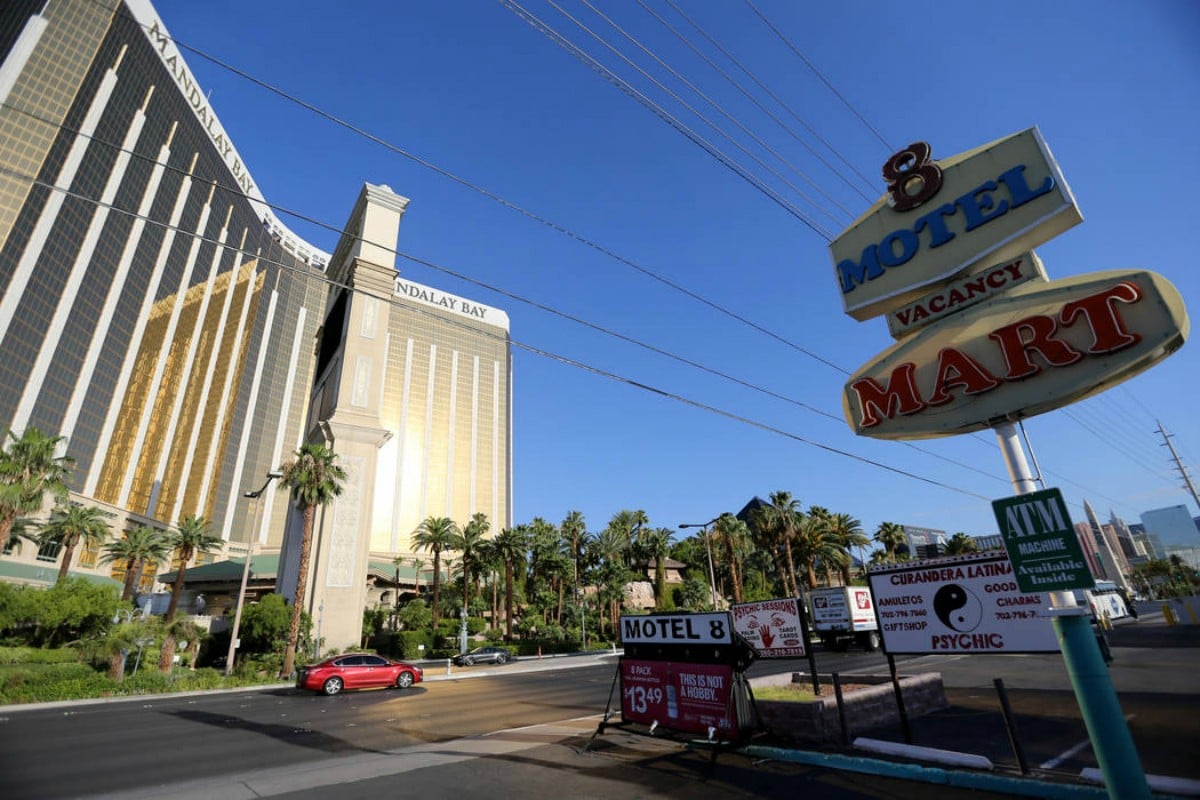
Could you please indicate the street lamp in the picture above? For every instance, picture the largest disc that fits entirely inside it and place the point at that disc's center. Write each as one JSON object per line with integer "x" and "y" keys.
{"x": 712, "y": 579}
{"x": 237, "y": 616}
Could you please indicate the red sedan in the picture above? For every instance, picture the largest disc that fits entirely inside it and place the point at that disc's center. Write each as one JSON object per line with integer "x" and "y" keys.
{"x": 357, "y": 671}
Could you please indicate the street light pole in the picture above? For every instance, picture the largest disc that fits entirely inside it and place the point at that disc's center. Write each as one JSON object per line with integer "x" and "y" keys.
{"x": 712, "y": 579}
{"x": 462, "y": 631}
{"x": 237, "y": 616}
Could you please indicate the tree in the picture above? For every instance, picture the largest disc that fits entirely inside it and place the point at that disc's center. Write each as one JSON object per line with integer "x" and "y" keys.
{"x": 574, "y": 531}
{"x": 314, "y": 479}
{"x": 510, "y": 546}
{"x": 960, "y": 543}
{"x": 141, "y": 545}
{"x": 437, "y": 535}
{"x": 733, "y": 533}
{"x": 468, "y": 542}
{"x": 191, "y": 537}
{"x": 891, "y": 536}
{"x": 22, "y": 530}
{"x": 71, "y": 525}
{"x": 656, "y": 544}
{"x": 29, "y": 470}
{"x": 848, "y": 533}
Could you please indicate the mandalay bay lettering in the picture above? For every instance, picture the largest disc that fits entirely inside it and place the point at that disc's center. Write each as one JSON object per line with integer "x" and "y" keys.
{"x": 981, "y": 205}
{"x": 426, "y": 295}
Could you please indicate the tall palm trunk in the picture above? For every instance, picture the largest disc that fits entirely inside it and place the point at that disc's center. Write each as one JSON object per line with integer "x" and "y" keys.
{"x": 508, "y": 599}
{"x": 791, "y": 567}
{"x": 68, "y": 554}
{"x": 437, "y": 585}
{"x": 289, "y": 655}
{"x": 177, "y": 589}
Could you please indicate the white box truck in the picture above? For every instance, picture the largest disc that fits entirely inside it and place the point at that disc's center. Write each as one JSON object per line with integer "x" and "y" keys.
{"x": 844, "y": 614}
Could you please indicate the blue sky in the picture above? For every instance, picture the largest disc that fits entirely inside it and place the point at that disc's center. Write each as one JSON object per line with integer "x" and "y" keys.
{"x": 470, "y": 87}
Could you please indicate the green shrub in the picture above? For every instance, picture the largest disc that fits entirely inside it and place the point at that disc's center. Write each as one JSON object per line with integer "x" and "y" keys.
{"x": 36, "y": 655}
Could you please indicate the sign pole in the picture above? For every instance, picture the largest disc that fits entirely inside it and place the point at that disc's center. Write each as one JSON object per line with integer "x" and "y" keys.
{"x": 1112, "y": 743}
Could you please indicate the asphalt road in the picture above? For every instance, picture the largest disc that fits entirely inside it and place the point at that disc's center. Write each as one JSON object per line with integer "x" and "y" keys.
{"x": 529, "y": 728}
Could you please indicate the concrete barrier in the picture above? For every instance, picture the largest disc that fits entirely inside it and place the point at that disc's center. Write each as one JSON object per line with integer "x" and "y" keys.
{"x": 816, "y": 721}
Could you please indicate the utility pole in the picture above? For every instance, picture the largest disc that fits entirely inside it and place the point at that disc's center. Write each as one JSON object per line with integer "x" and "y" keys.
{"x": 1179, "y": 465}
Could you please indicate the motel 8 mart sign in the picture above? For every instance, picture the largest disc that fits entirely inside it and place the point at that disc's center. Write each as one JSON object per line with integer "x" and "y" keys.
{"x": 983, "y": 337}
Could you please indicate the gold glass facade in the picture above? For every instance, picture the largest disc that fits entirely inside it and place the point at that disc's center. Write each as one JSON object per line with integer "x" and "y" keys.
{"x": 160, "y": 318}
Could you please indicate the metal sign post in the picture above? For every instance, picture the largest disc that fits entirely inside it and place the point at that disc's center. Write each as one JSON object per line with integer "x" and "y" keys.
{"x": 1111, "y": 741}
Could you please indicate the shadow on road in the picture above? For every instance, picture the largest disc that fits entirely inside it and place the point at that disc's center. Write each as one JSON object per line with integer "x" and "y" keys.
{"x": 303, "y": 737}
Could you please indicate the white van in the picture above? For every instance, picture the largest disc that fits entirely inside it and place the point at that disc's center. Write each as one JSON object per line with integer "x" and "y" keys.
{"x": 1105, "y": 599}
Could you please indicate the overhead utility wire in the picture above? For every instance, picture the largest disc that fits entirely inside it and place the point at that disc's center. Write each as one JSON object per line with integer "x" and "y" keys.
{"x": 474, "y": 281}
{"x": 654, "y": 108}
{"x": 1107, "y": 440}
{"x": 818, "y": 73}
{"x": 513, "y": 206}
{"x": 780, "y": 101}
{"x": 567, "y": 232}
{"x": 757, "y": 139}
{"x": 323, "y": 278}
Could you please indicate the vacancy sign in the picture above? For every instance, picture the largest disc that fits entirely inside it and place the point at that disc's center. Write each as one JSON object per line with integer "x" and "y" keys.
{"x": 1041, "y": 542}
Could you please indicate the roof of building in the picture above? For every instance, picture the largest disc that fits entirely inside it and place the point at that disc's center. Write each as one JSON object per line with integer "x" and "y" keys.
{"x": 47, "y": 574}
{"x": 265, "y": 567}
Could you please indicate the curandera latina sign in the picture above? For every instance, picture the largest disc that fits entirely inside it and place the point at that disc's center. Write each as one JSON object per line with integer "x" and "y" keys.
{"x": 1027, "y": 352}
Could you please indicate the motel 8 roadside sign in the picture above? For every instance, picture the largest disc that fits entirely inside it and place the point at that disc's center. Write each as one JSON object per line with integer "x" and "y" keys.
{"x": 1041, "y": 542}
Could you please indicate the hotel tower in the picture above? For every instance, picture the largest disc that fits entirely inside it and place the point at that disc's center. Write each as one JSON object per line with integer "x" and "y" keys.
{"x": 157, "y": 314}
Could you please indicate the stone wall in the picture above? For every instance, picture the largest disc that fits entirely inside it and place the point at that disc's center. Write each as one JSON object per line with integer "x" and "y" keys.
{"x": 816, "y": 721}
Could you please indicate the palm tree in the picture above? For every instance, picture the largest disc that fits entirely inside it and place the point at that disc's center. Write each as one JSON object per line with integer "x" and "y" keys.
{"x": 30, "y": 469}
{"x": 436, "y": 534}
{"x": 510, "y": 547}
{"x": 467, "y": 542}
{"x": 960, "y": 543}
{"x": 175, "y": 631}
{"x": 22, "y": 530}
{"x": 848, "y": 533}
{"x": 608, "y": 548}
{"x": 656, "y": 544}
{"x": 891, "y": 536}
{"x": 785, "y": 518}
{"x": 733, "y": 533}
{"x": 191, "y": 537}
{"x": 574, "y": 531}
{"x": 314, "y": 480}
{"x": 72, "y": 524}
{"x": 140, "y": 545}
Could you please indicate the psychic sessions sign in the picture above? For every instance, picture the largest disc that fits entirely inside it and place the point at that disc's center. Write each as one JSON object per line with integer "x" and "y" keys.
{"x": 964, "y": 604}
{"x": 771, "y": 627}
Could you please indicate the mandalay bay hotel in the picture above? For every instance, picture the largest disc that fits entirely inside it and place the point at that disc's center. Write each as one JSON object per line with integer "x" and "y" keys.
{"x": 158, "y": 315}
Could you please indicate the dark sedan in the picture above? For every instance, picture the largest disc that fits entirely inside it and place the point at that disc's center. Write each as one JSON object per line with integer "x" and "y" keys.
{"x": 357, "y": 671}
{"x": 484, "y": 655}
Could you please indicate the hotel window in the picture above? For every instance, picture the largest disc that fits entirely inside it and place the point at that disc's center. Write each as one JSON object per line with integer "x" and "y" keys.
{"x": 49, "y": 551}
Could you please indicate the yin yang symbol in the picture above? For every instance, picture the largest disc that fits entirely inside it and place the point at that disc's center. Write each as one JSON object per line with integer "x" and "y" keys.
{"x": 957, "y": 608}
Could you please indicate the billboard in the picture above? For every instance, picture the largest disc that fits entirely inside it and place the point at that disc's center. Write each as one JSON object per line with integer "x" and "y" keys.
{"x": 963, "y": 604}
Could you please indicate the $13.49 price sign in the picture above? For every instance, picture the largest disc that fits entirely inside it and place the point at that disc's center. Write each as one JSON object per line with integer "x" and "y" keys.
{"x": 681, "y": 696}
{"x": 639, "y": 699}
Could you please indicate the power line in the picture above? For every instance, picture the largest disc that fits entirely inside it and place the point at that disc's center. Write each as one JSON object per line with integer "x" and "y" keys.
{"x": 290, "y": 269}
{"x": 819, "y": 75}
{"x": 511, "y": 205}
{"x": 780, "y": 101}
{"x": 757, "y": 139}
{"x": 581, "y": 239}
{"x": 541, "y": 27}
{"x": 464, "y": 277}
